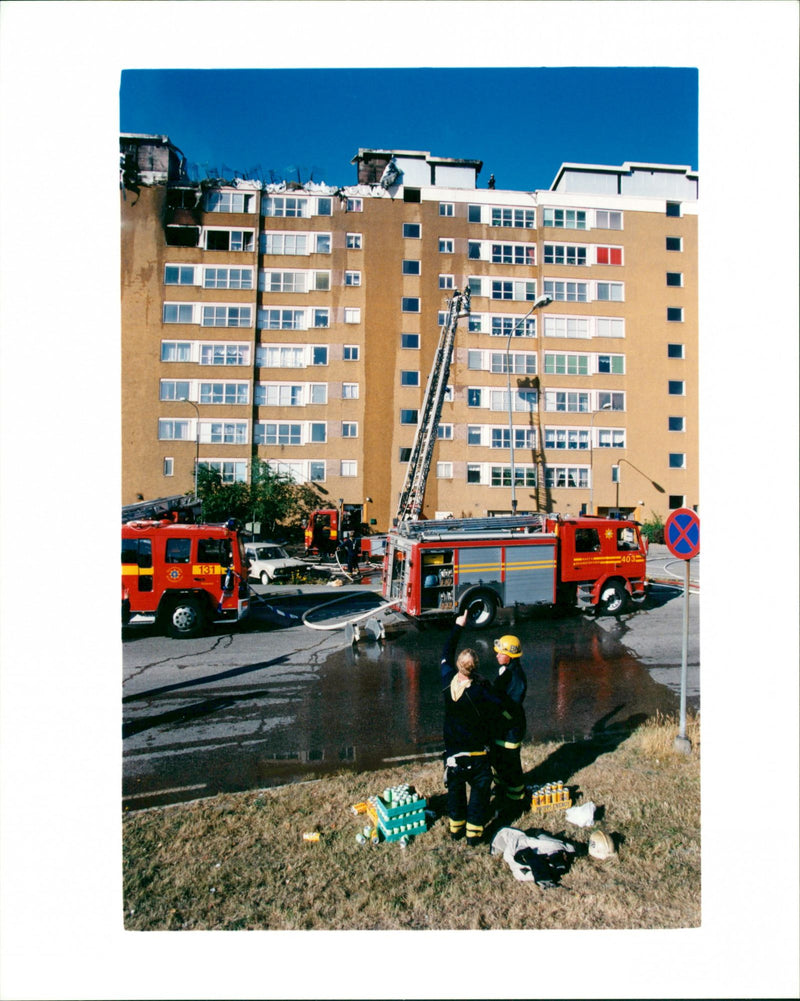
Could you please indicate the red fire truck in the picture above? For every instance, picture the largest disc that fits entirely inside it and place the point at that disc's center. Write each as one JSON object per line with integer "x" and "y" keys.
{"x": 482, "y": 564}
{"x": 183, "y": 577}
{"x": 326, "y": 528}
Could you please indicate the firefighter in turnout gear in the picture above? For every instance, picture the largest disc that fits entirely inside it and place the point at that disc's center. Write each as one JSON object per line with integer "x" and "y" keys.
{"x": 506, "y": 765}
{"x": 472, "y": 714}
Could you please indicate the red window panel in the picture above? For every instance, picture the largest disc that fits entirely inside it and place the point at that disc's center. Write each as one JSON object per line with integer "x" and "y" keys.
{"x": 609, "y": 255}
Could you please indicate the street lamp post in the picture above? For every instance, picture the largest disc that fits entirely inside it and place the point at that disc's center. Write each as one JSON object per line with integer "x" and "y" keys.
{"x": 196, "y": 439}
{"x": 605, "y": 406}
{"x": 540, "y": 303}
{"x": 656, "y": 486}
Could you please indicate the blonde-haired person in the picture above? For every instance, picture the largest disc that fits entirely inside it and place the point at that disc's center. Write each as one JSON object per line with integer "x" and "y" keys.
{"x": 472, "y": 713}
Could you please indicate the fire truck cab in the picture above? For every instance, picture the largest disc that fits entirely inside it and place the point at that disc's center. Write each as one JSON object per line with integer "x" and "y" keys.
{"x": 483, "y": 564}
{"x": 181, "y": 576}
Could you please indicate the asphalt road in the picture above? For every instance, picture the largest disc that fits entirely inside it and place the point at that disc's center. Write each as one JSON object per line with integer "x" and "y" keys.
{"x": 276, "y": 700}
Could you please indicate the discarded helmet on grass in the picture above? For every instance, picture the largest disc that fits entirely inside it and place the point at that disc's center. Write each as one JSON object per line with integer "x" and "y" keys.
{"x": 601, "y": 846}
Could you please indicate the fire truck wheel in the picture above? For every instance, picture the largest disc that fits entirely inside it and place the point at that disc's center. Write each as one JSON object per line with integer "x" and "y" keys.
{"x": 612, "y": 599}
{"x": 481, "y": 609}
{"x": 185, "y": 619}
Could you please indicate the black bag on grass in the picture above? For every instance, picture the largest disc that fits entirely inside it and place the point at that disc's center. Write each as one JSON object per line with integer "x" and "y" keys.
{"x": 546, "y": 870}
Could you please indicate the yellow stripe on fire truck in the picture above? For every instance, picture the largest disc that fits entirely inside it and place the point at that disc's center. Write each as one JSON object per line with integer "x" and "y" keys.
{"x": 130, "y": 569}
{"x": 489, "y": 567}
{"x": 619, "y": 558}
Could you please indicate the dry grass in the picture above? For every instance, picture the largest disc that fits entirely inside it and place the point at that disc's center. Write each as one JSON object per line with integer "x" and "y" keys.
{"x": 239, "y": 861}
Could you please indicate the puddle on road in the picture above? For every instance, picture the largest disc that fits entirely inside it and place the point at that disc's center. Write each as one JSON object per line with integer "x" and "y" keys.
{"x": 373, "y": 705}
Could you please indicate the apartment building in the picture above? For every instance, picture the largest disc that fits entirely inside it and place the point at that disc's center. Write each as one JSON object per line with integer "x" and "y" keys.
{"x": 298, "y": 323}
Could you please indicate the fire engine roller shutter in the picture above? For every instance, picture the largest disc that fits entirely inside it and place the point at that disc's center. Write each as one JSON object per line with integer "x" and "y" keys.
{"x": 530, "y": 574}
{"x": 480, "y": 565}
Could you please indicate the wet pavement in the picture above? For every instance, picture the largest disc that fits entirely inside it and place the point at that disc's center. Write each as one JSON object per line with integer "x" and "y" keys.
{"x": 276, "y": 702}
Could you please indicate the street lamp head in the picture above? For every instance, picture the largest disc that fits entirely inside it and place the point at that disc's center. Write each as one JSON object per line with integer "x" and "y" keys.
{"x": 542, "y": 301}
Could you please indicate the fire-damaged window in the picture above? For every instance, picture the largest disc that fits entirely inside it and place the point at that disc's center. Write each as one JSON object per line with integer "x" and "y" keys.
{"x": 183, "y": 198}
{"x": 182, "y": 236}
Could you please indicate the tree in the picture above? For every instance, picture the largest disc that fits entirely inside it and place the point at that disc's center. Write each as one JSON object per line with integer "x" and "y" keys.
{"x": 272, "y": 498}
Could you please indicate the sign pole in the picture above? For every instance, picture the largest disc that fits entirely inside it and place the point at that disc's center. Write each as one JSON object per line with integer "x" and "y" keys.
{"x": 682, "y": 536}
{"x": 682, "y": 742}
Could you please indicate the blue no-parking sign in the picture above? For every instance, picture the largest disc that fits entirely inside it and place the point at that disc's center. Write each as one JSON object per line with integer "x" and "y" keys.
{"x": 682, "y": 533}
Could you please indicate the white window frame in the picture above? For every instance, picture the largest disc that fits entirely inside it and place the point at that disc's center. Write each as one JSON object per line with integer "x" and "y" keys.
{"x": 569, "y": 218}
{"x": 247, "y": 247}
{"x": 229, "y": 200}
{"x": 233, "y": 352}
{"x": 239, "y": 390}
{"x": 184, "y": 270}
{"x": 354, "y": 241}
{"x": 576, "y": 401}
{"x": 446, "y": 209}
{"x": 348, "y": 467}
{"x": 559, "y": 477}
{"x": 223, "y": 432}
{"x": 237, "y": 473}
{"x": 171, "y": 390}
{"x": 350, "y": 390}
{"x": 173, "y": 425}
{"x": 231, "y": 314}
{"x": 409, "y": 226}
{"x": 282, "y": 243}
{"x": 444, "y": 470}
{"x": 184, "y": 351}
{"x": 355, "y": 205}
{"x": 447, "y": 282}
{"x": 446, "y": 245}
{"x": 352, "y": 279}
{"x": 351, "y": 352}
{"x": 600, "y": 223}
{"x": 244, "y": 282}
{"x": 566, "y": 254}
{"x": 560, "y": 438}
{"x": 286, "y": 207}
{"x": 352, "y": 314}
{"x": 512, "y": 217}
{"x": 349, "y": 429}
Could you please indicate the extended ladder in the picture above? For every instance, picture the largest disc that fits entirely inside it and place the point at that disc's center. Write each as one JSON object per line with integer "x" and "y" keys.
{"x": 493, "y": 527}
{"x": 410, "y": 504}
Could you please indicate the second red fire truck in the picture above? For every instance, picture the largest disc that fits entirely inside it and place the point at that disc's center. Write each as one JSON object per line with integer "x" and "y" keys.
{"x": 483, "y": 564}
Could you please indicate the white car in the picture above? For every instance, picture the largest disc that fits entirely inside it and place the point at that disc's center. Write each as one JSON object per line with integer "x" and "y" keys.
{"x": 269, "y": 562}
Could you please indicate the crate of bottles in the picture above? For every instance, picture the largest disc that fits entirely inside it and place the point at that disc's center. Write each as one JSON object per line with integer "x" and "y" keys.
{"x": 400, "y": 812}
{"x": 552, "y": 796}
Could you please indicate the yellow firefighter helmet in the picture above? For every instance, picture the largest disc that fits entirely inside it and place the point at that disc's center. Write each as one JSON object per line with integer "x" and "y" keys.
{"x": 509, "y": 645}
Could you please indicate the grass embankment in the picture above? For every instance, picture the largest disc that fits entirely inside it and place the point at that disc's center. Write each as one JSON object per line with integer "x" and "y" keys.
{"x": 239, "y": 861}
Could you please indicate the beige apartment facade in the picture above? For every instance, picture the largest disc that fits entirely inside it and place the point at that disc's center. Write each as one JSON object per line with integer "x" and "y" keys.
{"x": 298, "y": 324}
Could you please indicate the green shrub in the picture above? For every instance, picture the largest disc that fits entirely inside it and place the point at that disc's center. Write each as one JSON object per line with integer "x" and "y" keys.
{"x": 653, "y": 530}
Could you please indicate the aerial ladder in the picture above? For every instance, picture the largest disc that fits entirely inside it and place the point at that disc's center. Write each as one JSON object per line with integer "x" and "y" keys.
{"x": 410, "y": 504}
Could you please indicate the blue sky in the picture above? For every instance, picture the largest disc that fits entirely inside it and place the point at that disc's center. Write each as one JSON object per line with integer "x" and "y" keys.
{"x": 523, "y": 123}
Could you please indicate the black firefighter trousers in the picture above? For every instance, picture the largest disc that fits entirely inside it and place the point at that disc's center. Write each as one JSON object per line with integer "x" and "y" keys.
{"x": 474, "y": 771}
